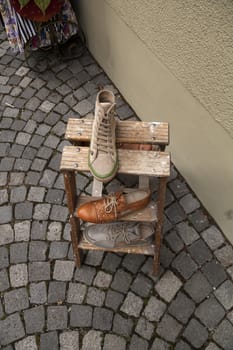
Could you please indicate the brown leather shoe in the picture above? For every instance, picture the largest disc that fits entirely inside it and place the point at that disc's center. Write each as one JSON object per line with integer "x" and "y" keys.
{"x": 114, "y": 206}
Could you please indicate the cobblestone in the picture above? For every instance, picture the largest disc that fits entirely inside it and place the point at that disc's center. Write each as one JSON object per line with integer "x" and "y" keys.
{"x": 113, "y": 301}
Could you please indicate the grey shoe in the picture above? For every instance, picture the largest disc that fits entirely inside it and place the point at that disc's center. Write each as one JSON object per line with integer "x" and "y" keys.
{"x": 102, "y": 159}
{"x": 119, "y": 234}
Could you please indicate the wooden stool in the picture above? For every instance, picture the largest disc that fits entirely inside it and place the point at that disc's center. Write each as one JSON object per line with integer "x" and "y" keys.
{"x": 144, "y": 163}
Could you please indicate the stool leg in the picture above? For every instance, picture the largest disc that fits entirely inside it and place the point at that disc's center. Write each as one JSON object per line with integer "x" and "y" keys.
{"x": 159, "y": 225}
{"x": 75, "y": 229}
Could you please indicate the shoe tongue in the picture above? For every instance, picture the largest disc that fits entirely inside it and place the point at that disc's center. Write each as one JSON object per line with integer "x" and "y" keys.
{"x": 106, "y": 106}
{"x": 134, "y": 229}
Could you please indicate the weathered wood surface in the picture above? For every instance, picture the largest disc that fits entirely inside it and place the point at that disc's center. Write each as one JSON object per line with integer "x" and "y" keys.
{"x": 152, "y": 163}
{"x": 149, "y": 213}
{"x": 79, "y": 130}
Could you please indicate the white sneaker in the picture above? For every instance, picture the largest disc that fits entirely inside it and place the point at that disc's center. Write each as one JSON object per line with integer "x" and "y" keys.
{"x": 102, "y": 158}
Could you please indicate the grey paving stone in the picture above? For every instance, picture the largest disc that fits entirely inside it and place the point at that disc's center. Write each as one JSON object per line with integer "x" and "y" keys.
{"x": 198, "y": 287}
{"x": 23, "y": 138}
{"x": 181, "y": 345}
{"x": 28, "y": 343}
{"x": 185, "y": 265}
{"x": 144, "y": 328}
{"x": 59, "y": 213}
{"x": 102, "y": 279}
{"x": 200, "y": 252}
{"x": 224, "y": 294}
{"x": 213, "y": 237}
{"x": 111, "y": 262}
{"x": 76, "y": 293}
{"x": 5, "y": 215}
{"x": 39, "y": 229}
{"x": 41, "y": 211}
{"x": 225, "y": 255}
{"x": 214, "y": 272}
{"x": 46, "y": 106}
{"x": 187, "y": 233}
{"x": 22, "y": 229}
{"x": 38, "y": 293}
{"x": 160, "y": 344}
{"x": 195, "y": 333}
{"x": 95, "y": 296}
{"x": 57, "y": 317}
{"x": 43, "y": 129}
{"x": 18, "y": 194}
{"x": 38, "y": 164}
{"x": 11, "y": 329}
{"x": 16, "y": 151}
{"x": 114, "y": 342}
{"x": 18, "y": 125}
{"x": 57, "y": 292}
{"x": 44, "y": 152}
{"x": 210, "y": 313}
{"x": 52, "y": 118}
{"x": 32, "y": 178}
{"x": 85, "y": 274}
{"x": 4, "y": 280}
{"x": 132, "y": 262}
{"x": 69, "y": 340}
{"x": 223, "y": 335}
{"x": 83, "y": 107}
{"x": 94, "y": 258}
{"x": 58, "y": 250}
{"x": 29, "y": 153}
{"x": 7, "y": 163}
{"x": 60, "y": 128}
{"x": 132, "y": 305}
{"x": 49, "y": 341}
{"x": 142, "y": 285}
{"x": 92, "y": 340}
{"x": 54, "y": 231}
{"x": 55, "y": 161}
{"x": 42, "y": 93}
{"x": 63, "y": 270}
{"x": 179, "y": 188}
{"x": 16, "y": 300}
{"x": 113, "y": 299}
{"x": 36, "y": 194}
{"x": 4, "y": 149}
{"x": 48, "y": 178}
{"x": 121, "y": 281}
{"x": 39, "y": 271}
{"x": 137, "y": 343}
{"x": 4, "y": 257}
{"x": 199, "y": 220}
{"x": 36, "y": 141}
{"x": 182, "y": 307}
{"x": 66, "y": 232}
{"x": 155, "y": 309}
{"x": 54, "y": 196}
{"x": 16, "y": 179}
{"x": 230, "y": 272}
{"x": 81, "y": 316}
{"x": 168, "y": 328}
{"x": 3, "y": 196}
{"x": 7, "y": 234}
{"x": 102, "y": 319}
{"x": 175, "y": 213}
{"x": 3, "y": 178}
{"x": 18, "y": 275}
{"x": 168, "y": 286}
{"x": 7, "y": 136}
{"x": 22, "y": 164}
{"x": 23, "y": 211}
{"x": 37, "y": 251}
{"x": 34, "y": 319}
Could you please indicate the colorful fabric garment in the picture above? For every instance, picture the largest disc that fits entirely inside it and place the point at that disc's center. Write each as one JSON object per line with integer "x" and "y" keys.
{"x": 19, "y": 29}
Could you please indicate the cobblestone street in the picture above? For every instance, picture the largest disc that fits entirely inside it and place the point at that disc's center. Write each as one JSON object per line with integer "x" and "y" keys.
{"x": 112, "y": 302}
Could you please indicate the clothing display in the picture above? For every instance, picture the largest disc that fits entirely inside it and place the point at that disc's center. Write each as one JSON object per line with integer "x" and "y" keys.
{"x": 20, "y": 29}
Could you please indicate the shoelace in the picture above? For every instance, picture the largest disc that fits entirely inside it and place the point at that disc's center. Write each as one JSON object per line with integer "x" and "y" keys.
{"x": 103, "y": 135}
{"x": 122, "y": 233}
{"x": 110, "y": 204}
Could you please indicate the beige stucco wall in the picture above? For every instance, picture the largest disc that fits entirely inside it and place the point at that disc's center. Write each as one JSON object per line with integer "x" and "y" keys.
{"x": 172, "y": 61}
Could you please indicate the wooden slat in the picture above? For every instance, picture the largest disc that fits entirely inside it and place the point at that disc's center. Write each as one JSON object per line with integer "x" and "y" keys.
{"x": 150, "y": 163}
{"x": 79, "y": 130}
{"x": 147, "y": 249}
{"x": 149, "y": 213}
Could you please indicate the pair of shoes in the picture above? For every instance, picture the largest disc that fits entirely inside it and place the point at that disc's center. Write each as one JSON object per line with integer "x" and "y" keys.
{"x": 102, "y": 157}
{"x": 118, "y": 235}
{"x": 114, "y": 206}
